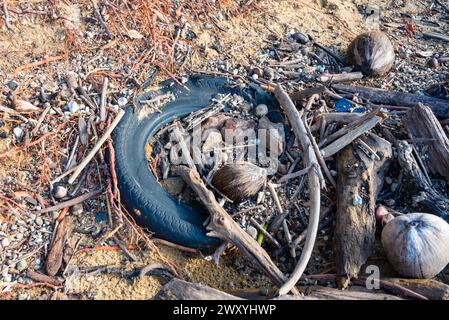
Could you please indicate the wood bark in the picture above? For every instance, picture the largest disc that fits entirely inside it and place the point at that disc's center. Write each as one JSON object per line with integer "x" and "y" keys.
{"x": 439, "y": 107}
{"x": 420, "y": 122}
{"x": 358, "y": 179}
{"x": 221, "y": 225}
{"x": 54, "y": 257}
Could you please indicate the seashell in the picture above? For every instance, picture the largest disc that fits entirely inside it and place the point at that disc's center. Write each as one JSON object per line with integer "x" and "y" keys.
{"x": 239, "y": 180}
{"x": 372, "y": 53}
{"x": 417, "y": 244}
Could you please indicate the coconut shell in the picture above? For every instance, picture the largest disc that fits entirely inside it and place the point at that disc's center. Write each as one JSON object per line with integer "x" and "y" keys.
{"x": 417, "y": 244}
{"x": 239, "y": 180}
{"x": 372, "y": 53}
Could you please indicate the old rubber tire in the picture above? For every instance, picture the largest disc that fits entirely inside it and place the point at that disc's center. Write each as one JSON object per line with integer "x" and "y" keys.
{"x": 152, "y": 206}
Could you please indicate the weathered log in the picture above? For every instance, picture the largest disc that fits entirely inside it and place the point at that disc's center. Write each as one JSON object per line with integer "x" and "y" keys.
{"x": 431, "y": 289}
{"x": 358, "y": 181}
{"x": 221, "y": 225}
{"x": 352, "y": 293}
{"x": 416, "y": 185}
{"x": 420, "y": 122}
{"x": 341, "y": 77}
{"x": 54, "y": 257}
{"x": 439, "y": 107}
{"x": 178, "y": 289}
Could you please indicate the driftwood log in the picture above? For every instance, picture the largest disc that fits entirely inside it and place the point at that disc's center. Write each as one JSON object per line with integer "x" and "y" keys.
{"x": 415, "y": 187}
{"x": 429, "y": 288}
{"x": 178, "y": 289}
{"x": 54, "y": 257}
{"x": 421, "y": 123}
{"x": 358, "y": 181}
{"x": 221, "y": 225}
{"x": 439, "y": 107}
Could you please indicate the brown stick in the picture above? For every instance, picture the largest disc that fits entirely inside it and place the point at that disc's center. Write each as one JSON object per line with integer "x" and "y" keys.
{"x": 97, "y": 146}
{"x": 439, "y": 107}
{"x": 39, "y": 277}
{"x": 54, "y": 257}
{"x": 313, "y": 181}
{"x": 71, "y": 202}
{"x": 222, "y": 226}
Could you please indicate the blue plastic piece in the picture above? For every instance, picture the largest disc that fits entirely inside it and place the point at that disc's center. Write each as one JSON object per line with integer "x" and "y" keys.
{"x": 343, "y": 105}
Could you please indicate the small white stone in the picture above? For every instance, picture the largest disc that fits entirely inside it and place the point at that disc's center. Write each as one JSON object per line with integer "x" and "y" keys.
{"x": 255, "y": 76}
{"x": 39, "y": 221}
{"x": 252, "y": 231}
{"x": 122, "y": 101}
{"x": 18, "y": 132}
{"x": 22, "y": 296}
{"x": 261, "y": 110}
{"x": 21, "y": 265}
{"x": 59, "y": 192}
{"x": 73, "y": 107}
{"x": 5, "y": 242}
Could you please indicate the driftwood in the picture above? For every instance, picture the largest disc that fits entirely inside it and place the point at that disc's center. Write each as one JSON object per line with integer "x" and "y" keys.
{"x": 341, "y": 77}
{"x": 39, "y": 277}
{"x": 439, "y": 107}
{"x": 352, "y": 293}
{"x": 221, "y": 225}
{"x": 340, "y": 118}
{"x": 420, "y": 122}
{"x": 178, "y": 289}
{"x": 313, "y": 176}
{"x": 358, "y": 180}
{"x": 54, "y": 257}
{"x": 431, "y": 289}
{"x": 415, "y": 183}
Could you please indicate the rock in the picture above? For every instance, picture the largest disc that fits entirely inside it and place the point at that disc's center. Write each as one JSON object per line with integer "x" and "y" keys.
{"x": 22, "y": 296}
{"x": 77, "y": 209}
{"x": 73, "y": 107}
{"x": 268, "y": 73}
{"x": 5, "y": 242}
{"x": 357, "y": 200}
{"x": 215, "y": 122}
{"x": 433, "y": 63}
{"x": 300, "y": 37}
{"x": 18, "y": 133}
{"x": 59, "y": 192}
{"x": 212, "y": 139}
{"x": 12, "y": 85}
{"x": 122, "y": 101}
{"x": 3, "y": 134}
{"x": 261, "y": 110}
{"x": 21, "y": 265}
{"x": 39, "y": 221}
{"x": 252, "y": 232}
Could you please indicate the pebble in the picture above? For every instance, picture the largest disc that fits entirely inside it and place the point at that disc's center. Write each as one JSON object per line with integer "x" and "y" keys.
{"x": 122, "y": 101}
{"x": 390, "y": 202}
{"x": 12, "y": 85}
{"x": 77, "y": 209}
{"x": 433, "y": 63}
{"x": 3, "y": 134}
{"x": 263, "y": 291}
{"x": 252, "y": 231}
{"x": 22, "y": 296}
{"x": 21, "y": 265}
{"x": 300, "y": 37}
{"x": 5, "y": 242}
{"x": 261, "y": 110}
{"x": 59, "y": 192}
{"x": 18, "y": 133}
{"x": 268, "y": 73}
{"x": 39, "y": 221}
{"x": 255, "y": 76}
{"x": 73, "y": 107}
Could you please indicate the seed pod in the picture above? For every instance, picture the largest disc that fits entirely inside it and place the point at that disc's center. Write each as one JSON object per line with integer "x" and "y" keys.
{"x": 372, "y": 53}
{"x": 239, "y": 180}
{"x": 417, "y": 244}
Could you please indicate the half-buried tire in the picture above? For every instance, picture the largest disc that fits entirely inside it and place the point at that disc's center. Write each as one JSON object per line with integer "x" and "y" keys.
{"x": 152, "y": 206}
